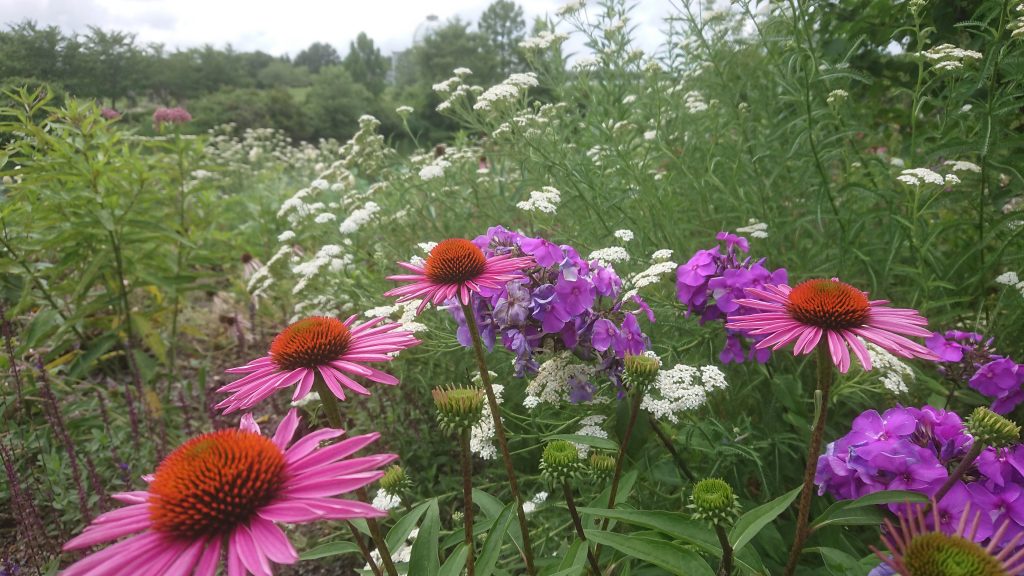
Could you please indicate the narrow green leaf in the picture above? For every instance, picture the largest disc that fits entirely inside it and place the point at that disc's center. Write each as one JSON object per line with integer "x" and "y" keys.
{"x": 456, "y": 562}
{"x": 593, "y": 441}
{"x": 401, "y": 530}
{"x": 329, "y": 549}
{"x": 666, "y": 555}
{"x": 748, "y": 525}
{"x": 492, "y": 546}
{"x": 863, "y": 511}
{"x": 423, "y": 558}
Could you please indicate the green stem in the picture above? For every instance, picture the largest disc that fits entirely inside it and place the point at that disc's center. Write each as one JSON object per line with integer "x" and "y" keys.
{"x": 813, "y": 449}
{"x": 333, "y": 413}
{"x": 680, "y": 463}
{"x": 725, "y": 568}
{"x": 957, "y": 474}
{"x": 467, "y": 495}
{"x": 570, "y": 502}
{"x": 492, "y": 402}
{"x": 358, "y": 537}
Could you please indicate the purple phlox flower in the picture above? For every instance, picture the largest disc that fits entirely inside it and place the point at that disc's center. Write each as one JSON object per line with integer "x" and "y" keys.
{"x": 110, "y": 113}
{"x": 498, "y": 240}
{"x": 548, "y": 309}
{"x": 546, "y": 253}
{"x": 484, "y": 321}
{"x": 995, "y": 465}
{"x": 698, "y": 268}
{"x": 606, "y": 281}
{"x": 519, "y": 344}
{"x": 514, "y": 307}
{"x": 732, "y": 351}
{"x": 577, "y": 296}
{"x": 946, "y": 350}
{"x": 644, "y": 307}
{"x": 1004, "y": 504}
{"x": 1002, "y": 380}
{"x": 896, "y": 464}
{"x": 732, "y": 240}
{"x": 632, "y": 340}
{"x": 580, "y": 390}
{"x": 605, "y": 335}
{"x": 870, "y": 425}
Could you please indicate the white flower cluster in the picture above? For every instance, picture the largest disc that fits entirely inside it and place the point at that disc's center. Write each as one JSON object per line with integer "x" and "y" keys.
{"x": 949, "y": 57}
{"x": 918, "y": 176}
{"x": 1011, "y": 279}
{"x": 624, "y": 235}
{"x": 261, "y": 280}
{"x": 681, "y": 388}
{"x": 590, "y": 426}
{"x": 462, "y": 72}
{"x": 400, "y": 556}
{"x": 837, "y": 97}
{"x": 543, "y": 40}
{"x": 571, "y": 7}
{"x": 358, "y": 217}
{"x": 652, "y": 275}
{"x": 610, "y": 255}
{"x": 893, "y": 374}
{"x": 385, "y": 500}
{"x": 962, "y": 166}
{"x": 406, "y": 312}
{"x": 695, "y": 102}
{"x": 507, "y": 90}
{"x": 544, "y": 200}
{"x": 404, "y": 110}
{"x": 530, "y": 505}
{"x": 663, "y": 254}
{"x": 329, "y": 255}
{"x": 1016, "y": 27}
{"x": 434, "y": 170}
{"x": 551, "y": 384}
{"x": 754, "y": 229}
{"x": 481, "y": 437}
{"x": 584, "y": 63}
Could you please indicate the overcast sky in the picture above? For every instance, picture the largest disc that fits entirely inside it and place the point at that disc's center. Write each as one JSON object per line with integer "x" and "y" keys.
{"x": 282, "y": 26}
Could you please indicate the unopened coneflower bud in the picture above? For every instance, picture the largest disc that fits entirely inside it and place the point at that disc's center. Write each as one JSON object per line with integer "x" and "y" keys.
{"x": 714, "y": 501}
{"x": 641, "y": 370}
{"x": 458, "y": 409}
{"x": 991, "y": 429}
{"x": 395, "y": 480}
{"x": 560, "y": 461}
{"x": 601, "y": 465}
{"x": 246, "y": 257}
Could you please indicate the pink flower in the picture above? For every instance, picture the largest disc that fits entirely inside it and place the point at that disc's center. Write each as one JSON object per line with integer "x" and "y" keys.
{"x": 454, "y": 269}
{"x": 175, "y": 115}
{"x": 110, "y": 113}
{"x": 834, "y": 310}
{"x": 227, "y": 490}
{"x": 318, "y": 347}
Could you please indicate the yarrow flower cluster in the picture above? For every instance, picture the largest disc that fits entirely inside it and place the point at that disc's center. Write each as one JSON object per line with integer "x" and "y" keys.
{"x": 918, "y": 176}
{"x": 969, "y": 357}
{"x": 680, "y": 389}
{"x": 712, "y": 281}
{"x": 949, "y": 57}
{"x": 544, "y": 200}
{"x": 915, "y": 449}
{"x": 565, "y": 303}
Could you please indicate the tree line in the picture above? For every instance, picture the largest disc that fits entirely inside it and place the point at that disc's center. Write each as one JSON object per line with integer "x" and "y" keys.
{"x": 318, "y": 93}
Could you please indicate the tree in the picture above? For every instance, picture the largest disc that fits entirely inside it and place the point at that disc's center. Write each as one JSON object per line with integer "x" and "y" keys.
{"x": 283, "y": 74}
{"x": 502, "y": 26}
{"x": 335, "y": 102}
{"x": 113, "y": 64}
{"x": 366, "y": 65}
{"x": 26, "y": 50}
{"x": 452, "y": 46}
{"x": 318, "y": 55}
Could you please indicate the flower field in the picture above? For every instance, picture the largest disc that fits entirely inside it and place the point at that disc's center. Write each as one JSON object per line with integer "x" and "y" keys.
{"x": 749, "y": 304}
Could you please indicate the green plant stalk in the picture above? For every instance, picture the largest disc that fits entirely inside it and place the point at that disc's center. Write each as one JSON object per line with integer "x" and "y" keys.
{"x": 957, "y": 474}
{"x": 333, "y": 413}
{"x": 180, "y": 263}
{"x": 680, "y": 463}
{"x": 725, "y": 568}
{"x": 467, "y": 495}
{"x": 499, "y": 428}
{"x": 570, "y": 502}
{"x": 813, "y": 449}
{"x": 358, "y": 537}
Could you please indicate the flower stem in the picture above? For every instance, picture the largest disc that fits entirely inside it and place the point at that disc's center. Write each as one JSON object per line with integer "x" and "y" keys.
{"x": 957, "y": 474}
{"x": 571, "y": 503}
{"x": 680, "y": 463}
{"x": 362, "y": 548}
{"x": 333, "y": 413}
{"x": 467, "y": 495}
{"x": 492, "y": 402}
{"x": 725, "y": 568}
{"x": 813, "y": 448}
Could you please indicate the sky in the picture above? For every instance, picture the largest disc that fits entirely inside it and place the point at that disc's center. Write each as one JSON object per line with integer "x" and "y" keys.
{"x": 283, "y": 26}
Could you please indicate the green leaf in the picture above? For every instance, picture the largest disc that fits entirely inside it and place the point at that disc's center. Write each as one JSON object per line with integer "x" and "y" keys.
{"x": 666, "y": 555}
{"x": 329, "y": 549}
{"x": 863, "y": 510}
{"x": 574, "y": 559}
{"x": 748, "y": 525}
{"x": 593, "y": 441}
{"x": 489, "y": 505}
{"x": 601, "y": 501}
{"x": 456, "y": 562}
{"x": 837, "y": 562}
{"x": 423, "y": 558}
{"x": 401, "y": 530}
{"x": 680, "y": 526}
{"x": 492, "y": 546}
{"x": 97, "y": 348}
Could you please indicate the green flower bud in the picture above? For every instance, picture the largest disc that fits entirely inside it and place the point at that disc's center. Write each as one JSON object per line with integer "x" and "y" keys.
{"x": 560, "y": 461}
{"x": 394, "y": 480}
{"x": 713, "y": 500}
{"x": 641, "y": 370}
{"x": 601, "y": 464}
{"x": 458, "y": 409}
{"x": 991, "y": 429}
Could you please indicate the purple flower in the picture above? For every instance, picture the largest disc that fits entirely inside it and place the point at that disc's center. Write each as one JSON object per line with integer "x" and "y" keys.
{"x": 732, "y": 240}
{"x": 701, "y": 265}
{"x": 632, "y": 340}
{"x": 176, "y": 115}
{"x": 606, "y": 282}
{"x": 732, "y": 351}
{"x": 1001, "y": 379}
{"x": 577, "y": 296}
{"x": 514, "y": 307}
{"x": 605, "y": 335}
{"x": 544, "y": 252}
{"x": 580, "y": 390}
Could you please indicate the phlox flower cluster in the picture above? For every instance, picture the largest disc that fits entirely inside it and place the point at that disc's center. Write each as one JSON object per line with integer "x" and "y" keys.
{"x": 565, "y": 303}
{"x": 712, "y": 280}
{"x": 969, "y": 357}
{"x": 915, "y": 449}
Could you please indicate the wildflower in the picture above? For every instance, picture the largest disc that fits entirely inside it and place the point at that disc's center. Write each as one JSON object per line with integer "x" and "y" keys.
{"x": 404, "y": 111}
{"x": 544, "y": 200}
{"x": 754, "y": 228}
{"x": 915, "y": 176}
{"x": 110, "y": 113}
{"x": 713, "y": 500}
{"x": 893, "y": 374}
{"x": 962, "y": 166}
{"x": 663, "y": 254}
{"x": 358, "y": 217}
{"x": 170, "y": 116}
{"x": 969, "y": 357}
{"x": 560, "y": 461}
{"x": 462, "y": 72}
{"x": 624, "y": 235}
{"x": 590, "y": 426}
{"x": 915, "y": 549}
{"x": 836, "y": 97}
{"x": 228, "y": 489}
{"x": 680, "y": 389}
{"x": 949, "y": 57}
{"x": 432, "y": 171}
{"x": 458, "y": 409}
{"x": 455, "y": 269}
{"x": 481, "y": 437}
{"x": 318, "y": 347}
{"x": 609, "y": 255}
{"x": 834, "y": 310}
{"x": 532, "y": 504}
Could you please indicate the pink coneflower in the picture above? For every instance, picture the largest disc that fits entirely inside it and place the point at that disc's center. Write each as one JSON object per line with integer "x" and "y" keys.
{"x": 455, "y": 268}
{"x": 225, "y": 490}
{"x": 834, "y": 310}
{"x": 318, "y": 346}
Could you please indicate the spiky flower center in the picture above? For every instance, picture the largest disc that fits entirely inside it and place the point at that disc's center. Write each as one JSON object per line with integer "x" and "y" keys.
{"x": 214, "y": 482}
{"x": 938, "y": 554}
{"x": 454, "y": 261}
{"x": 310, "y": 342}
{"x": 828, "y": 304}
